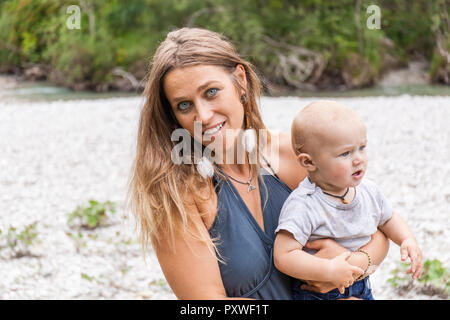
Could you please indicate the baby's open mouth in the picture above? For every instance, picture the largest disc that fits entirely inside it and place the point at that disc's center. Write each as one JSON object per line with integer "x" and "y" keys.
{"x": 357, "y": 173}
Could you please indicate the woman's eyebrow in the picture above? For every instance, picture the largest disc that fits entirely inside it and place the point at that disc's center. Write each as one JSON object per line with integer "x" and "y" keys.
{"x": 206, "y": 84}
{"x": 200, "y": 88}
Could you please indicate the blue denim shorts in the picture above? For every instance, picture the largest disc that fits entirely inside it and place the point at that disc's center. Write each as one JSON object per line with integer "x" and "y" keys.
{"x": 359, "y": 289}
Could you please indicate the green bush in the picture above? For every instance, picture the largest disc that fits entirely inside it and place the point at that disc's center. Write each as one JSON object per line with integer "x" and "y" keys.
{"x": 124, "y": 34}
{"x": 434, "y": 276}
{"x": 97, "y": 214}
{"x": 19, "y": 242}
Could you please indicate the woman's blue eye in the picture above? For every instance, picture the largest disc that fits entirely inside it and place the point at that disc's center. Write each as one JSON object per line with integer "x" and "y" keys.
{"x": 182, "y": 106}
{"x": 211, "y": 92}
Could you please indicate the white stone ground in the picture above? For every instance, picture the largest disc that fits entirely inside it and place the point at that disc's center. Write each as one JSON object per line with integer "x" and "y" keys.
{"x": 58, "y": 155}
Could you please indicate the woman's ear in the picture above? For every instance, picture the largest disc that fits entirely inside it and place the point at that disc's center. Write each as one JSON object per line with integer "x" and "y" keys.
{"x": 306, "y": 161}
{"x": 240, "y": 75}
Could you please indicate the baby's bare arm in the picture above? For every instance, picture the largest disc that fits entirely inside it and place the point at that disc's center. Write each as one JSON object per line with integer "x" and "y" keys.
{"x": 396, "y": 229}
{"x": 290, "y": 259}
{"x": 399, "y": 232}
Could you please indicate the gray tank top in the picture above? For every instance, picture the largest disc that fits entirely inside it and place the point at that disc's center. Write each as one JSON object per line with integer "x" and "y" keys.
{"x": 248, "y": 270}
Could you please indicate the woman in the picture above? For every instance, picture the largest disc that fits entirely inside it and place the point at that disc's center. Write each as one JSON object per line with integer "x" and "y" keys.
{"x": 213, "y": 235}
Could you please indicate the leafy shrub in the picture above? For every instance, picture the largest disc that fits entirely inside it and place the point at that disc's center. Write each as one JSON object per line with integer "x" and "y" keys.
{"x": 19, "y": 242}
{"x": 435, "y": 278}
{"x": 123, "y": 34}
{"x": 97, "y": 214}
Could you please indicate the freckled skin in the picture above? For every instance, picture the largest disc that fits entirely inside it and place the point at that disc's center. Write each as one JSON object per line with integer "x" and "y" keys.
{"x": 212, "y": 105}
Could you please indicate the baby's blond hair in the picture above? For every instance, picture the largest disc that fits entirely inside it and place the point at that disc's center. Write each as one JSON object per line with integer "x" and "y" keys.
{"x": 312, "y": 122}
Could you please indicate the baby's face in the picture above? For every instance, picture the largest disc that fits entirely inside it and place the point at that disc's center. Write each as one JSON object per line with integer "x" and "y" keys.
{"x": 340, "y": 157}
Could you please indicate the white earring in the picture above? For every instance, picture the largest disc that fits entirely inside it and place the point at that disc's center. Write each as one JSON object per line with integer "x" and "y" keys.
{"x": 250, "y": 140}
{"x": 205, "y": 168}
{"x": 249, "y": 136}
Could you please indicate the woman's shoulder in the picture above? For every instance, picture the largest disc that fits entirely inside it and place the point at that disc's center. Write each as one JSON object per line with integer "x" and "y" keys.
{"x": 285, "y": 143}
{"x": 286, "y": 165}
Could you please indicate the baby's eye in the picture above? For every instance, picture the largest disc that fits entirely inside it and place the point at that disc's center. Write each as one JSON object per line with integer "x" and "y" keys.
{"x": 362, "y": 148}
{"x": 183, "y": 106}
{"x": 212, "y": 92}
{"x": 345, "y": 154}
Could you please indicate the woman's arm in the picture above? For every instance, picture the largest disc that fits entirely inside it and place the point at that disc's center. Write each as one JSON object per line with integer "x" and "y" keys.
{"x": 377, "y": 248}
{"x": 190, "y": 268}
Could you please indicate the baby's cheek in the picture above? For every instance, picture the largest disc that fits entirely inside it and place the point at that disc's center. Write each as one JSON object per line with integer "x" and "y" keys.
{"x": 341, "y": 171}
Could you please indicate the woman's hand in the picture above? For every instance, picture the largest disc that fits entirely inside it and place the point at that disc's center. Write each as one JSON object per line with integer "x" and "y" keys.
{"x": 318, "y": 286}
{"x": 326, "y": 248}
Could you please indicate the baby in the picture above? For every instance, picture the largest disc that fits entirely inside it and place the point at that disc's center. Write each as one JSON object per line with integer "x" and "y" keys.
{"x": 334, "y": 201}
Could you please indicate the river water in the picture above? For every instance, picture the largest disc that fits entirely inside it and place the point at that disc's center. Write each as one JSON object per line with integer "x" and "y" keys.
{"x": 44, "y": 91}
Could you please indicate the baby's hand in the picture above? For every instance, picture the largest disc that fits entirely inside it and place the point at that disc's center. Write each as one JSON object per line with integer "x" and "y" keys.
{"x": 409, "y": 248}
{"x": 342, "y": 273}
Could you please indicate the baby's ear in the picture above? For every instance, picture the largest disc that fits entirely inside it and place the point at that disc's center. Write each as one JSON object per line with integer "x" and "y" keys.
{"x": 306, "y": 161}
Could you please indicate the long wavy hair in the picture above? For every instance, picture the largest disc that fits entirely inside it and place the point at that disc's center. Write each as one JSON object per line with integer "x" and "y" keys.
{"x": 158, "y": 187}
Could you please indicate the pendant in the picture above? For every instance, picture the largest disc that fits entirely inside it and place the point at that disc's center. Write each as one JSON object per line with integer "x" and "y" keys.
{"x": 250, "y": 187}
{"x": 344, "y": 201}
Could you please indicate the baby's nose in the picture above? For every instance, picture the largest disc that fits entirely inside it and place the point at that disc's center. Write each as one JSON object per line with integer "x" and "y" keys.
{"x": 357, "y": 159}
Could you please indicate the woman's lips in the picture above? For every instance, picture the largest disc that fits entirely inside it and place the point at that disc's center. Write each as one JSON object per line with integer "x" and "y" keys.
{"x": 212, "y": 132}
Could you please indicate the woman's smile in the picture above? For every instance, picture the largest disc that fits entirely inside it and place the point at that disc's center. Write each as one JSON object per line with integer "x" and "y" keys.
{"x": 211, "y": 132}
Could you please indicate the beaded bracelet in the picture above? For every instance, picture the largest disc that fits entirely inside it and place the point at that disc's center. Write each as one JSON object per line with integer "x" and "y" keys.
{"x": 370, "y": 263}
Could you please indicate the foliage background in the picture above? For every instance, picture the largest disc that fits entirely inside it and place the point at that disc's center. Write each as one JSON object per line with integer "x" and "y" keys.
{"x": 122, "y": 35}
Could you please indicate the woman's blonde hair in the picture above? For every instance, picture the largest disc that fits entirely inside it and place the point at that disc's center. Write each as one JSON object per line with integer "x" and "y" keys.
{"x": 158, "y": 187}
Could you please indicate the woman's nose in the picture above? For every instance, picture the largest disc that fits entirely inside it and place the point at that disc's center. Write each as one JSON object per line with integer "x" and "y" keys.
{"x": 203, "y": 112}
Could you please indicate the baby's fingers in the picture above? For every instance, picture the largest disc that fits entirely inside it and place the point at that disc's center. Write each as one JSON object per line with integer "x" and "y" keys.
{"x": 404, "y": 253}
{"x": 357, "y": 270}
{"x": 417, "y": 266}
{"x": 418, "y": 273}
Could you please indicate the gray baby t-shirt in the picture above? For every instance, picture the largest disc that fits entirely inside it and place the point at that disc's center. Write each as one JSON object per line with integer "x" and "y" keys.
{"x": 310, "y": 215}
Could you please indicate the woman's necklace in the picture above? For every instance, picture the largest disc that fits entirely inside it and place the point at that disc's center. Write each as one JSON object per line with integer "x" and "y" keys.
{"x": 248, "y": 183}
{"x": 339, "y": 197}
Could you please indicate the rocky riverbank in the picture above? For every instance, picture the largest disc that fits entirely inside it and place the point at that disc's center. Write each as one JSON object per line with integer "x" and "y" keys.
{"x": 58, "y": 155}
